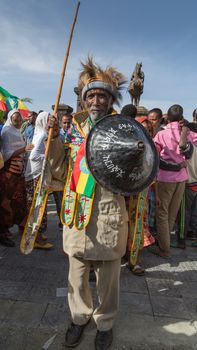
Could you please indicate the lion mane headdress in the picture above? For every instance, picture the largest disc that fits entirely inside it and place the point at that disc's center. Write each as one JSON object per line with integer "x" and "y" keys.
{"x": 94, "y": 77}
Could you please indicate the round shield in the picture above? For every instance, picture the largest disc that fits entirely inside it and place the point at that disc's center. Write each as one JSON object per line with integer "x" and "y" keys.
{"x": 120, "y": 155}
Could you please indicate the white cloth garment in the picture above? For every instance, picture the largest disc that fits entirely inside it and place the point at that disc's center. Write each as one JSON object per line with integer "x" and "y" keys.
{"x": 11, "y": 137}
{"x": 36, "y": 157}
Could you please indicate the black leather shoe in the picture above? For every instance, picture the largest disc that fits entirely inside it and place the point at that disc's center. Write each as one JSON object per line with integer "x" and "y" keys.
{"x": 60, "y": 225}
{"x": 92, "y": 276}
{"x": 103, "y": 340}
{"x": 5, "y": 240}
{"x": 74, "y": 335}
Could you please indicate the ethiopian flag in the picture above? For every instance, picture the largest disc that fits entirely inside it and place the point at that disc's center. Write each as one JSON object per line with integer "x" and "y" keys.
{"x": 82, "y": 181}
{"x": 8, "y": 102}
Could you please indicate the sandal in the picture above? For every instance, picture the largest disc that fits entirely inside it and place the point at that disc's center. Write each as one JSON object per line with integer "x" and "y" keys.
{"x": 136, "y": 270}
{"x": 43, "y": 237}
{"x": 46, "y": 246}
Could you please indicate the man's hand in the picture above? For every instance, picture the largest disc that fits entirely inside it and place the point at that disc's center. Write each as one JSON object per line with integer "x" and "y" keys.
{"x": 29, "y": 147}
{"x": 183, "y": 138}
{"x": 185, "y": 129}
{"x": 54, "y": 124}
{"x": 183, "y": 164}
{"x": 183, "y": 123}
{"x": 51, "y": 122}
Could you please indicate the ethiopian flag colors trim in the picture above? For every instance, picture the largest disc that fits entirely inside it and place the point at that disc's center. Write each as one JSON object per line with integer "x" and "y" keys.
{"x": 76, "y": 208}
{"x": 137, "y": 208}
{"x": 82, "y": 181}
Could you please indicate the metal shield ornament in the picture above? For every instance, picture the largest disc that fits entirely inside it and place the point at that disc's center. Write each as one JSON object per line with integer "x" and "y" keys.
{"x": 121, "y": 155}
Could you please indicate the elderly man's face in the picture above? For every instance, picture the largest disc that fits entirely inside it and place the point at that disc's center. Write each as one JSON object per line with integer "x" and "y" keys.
{"x": 98, "y": 103}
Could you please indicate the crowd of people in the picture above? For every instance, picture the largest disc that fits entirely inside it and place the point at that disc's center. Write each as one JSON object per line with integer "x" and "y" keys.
{"x": 170, "y": 201}
{"x": 23, "y": 152}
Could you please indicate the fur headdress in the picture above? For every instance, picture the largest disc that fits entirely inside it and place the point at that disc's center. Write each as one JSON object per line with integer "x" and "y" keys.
{"x": 94, "y": 77}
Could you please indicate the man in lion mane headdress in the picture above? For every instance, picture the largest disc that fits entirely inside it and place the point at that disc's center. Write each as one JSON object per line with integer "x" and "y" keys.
{"x": 95, "y": 220}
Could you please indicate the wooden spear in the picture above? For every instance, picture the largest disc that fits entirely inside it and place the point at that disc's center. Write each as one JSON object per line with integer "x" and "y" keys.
{"x": 58, "y": 97}
{"x": 31, "y": 227}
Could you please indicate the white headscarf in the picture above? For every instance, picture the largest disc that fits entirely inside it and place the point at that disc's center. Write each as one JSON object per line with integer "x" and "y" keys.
{"x": 35, "y": 160}
{"x": 11, "y": 137}
{"x": 40, "y": 126}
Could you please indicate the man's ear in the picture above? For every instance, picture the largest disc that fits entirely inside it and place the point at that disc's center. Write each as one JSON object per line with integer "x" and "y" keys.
{"x": 111, "y": 102}
{"x": 83, "y": 104}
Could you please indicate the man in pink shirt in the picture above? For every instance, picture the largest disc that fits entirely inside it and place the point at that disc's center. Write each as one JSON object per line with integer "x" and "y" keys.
{"x": 170, "y": 184}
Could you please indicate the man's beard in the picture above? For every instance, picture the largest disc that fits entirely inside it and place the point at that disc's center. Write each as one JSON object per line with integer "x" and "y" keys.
{"x": 97, "y": 115}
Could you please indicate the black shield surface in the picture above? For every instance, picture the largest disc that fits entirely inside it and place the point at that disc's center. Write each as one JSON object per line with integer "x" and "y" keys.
{"x": 121, "y": 155}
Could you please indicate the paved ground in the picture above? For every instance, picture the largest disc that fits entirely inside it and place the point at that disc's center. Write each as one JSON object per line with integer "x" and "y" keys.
{"x": 157, "y": 311}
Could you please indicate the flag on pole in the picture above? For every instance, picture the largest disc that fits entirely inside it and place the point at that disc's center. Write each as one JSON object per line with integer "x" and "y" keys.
{"x": 8, "y": 102}
{"x": 82, "y": 181}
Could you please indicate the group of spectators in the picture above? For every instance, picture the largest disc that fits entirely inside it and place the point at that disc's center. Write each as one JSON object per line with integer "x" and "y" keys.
{"x": 22, "y": 154}
{"x": 176, "y": 178}
{"x": 171, "y": 200}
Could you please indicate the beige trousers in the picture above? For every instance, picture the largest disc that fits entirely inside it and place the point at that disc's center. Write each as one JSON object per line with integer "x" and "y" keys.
{"x": 170, "y": 195}
{"x": 79, "y": 294}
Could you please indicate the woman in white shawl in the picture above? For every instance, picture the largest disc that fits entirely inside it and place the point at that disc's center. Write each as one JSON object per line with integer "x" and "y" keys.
{"x": 12, "y": 182}
{"x": 33, "y": 171}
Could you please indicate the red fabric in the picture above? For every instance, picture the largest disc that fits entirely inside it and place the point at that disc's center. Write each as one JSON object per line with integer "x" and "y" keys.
{"x": 193, "y": 188}
{"x": 148, "y": 240}
{"x": 3, "y": 106}
{"x": 76, "y": 170}
{"x": 24, "y": 113}
{"x": 141, "y": 119}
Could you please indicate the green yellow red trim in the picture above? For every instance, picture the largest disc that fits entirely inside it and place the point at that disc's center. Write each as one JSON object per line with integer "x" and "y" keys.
{"x": 28, "y": 238}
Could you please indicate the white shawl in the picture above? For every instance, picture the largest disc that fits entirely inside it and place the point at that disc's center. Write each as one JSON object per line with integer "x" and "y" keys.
{"x": 35, "y": 160}
{"x": 11, "y": 137}
{"x": 40, "y": 126}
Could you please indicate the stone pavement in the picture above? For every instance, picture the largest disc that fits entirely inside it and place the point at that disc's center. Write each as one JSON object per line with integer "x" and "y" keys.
{"x": 157, "y": 311}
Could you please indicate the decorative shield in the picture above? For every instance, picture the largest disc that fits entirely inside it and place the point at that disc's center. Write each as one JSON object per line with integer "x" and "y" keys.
{"x": 121, "y": 155}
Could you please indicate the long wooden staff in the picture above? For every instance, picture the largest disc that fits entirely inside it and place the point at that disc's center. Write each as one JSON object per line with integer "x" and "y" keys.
{"x": 58, "y": 97}
{"x": 40, "y": 195}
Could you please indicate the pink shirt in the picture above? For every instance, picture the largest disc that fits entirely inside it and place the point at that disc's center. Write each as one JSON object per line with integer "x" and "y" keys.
{"x": 167, "y": 141}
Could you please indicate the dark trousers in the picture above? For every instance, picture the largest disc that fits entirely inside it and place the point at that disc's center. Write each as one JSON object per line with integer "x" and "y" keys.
{"x": 58, "y": 196}
{"x": 191, "y": 211}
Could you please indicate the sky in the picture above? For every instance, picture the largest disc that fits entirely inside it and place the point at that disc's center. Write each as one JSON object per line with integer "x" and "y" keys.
{"x": 160, "y": 34}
